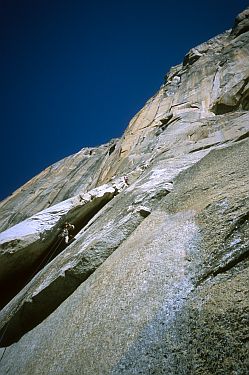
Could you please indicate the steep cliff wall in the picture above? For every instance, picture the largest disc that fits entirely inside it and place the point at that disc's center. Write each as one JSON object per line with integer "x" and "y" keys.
{"x": 156, "y": 280}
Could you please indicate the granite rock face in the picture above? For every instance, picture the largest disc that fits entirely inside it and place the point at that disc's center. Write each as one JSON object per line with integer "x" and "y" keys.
{"x": 75, "y": 174}
{"x": 156, "y": 279}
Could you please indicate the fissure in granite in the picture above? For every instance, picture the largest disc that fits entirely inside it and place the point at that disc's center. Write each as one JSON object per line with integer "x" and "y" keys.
{"x": 156, "y": 281}
{"x": 17, "y": 280}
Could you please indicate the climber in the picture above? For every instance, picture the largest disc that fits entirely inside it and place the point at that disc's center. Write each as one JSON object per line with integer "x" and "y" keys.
{"x": 67, "y": 228}
{"x": 126, "y": 180}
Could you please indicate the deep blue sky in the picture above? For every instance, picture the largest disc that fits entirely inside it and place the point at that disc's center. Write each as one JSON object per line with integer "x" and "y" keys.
{"x": 73, "y": 73}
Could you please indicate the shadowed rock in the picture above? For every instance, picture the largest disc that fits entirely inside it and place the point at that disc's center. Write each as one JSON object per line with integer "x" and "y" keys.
{"x": 28, "y": 246}
{"x": 156, "y": 281}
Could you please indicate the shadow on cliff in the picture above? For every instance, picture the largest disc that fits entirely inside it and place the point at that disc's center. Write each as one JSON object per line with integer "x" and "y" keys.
{"x": 43, "y": 304}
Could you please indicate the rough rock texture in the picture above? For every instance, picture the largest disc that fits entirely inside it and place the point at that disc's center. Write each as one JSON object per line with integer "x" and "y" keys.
{"x": 62, "y": 180}
{"x": 29, "y": 245}
{"x": 156, "y": 280}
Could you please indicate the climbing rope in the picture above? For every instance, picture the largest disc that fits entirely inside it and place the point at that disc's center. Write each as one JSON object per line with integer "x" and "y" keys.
{"x": 1, "y": 338}
{"x": 47, "y": 258}
{"x": 3, "y": 354}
